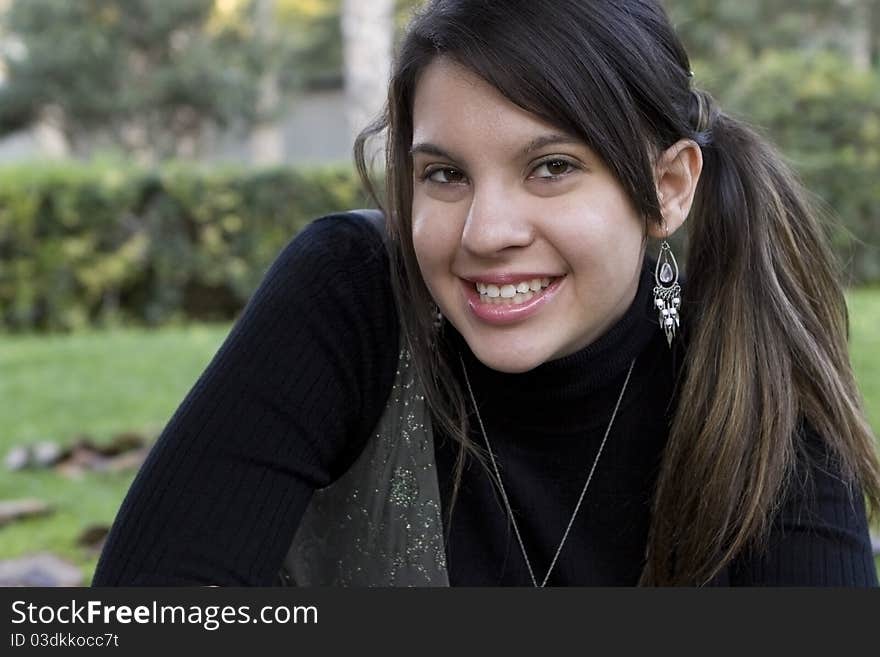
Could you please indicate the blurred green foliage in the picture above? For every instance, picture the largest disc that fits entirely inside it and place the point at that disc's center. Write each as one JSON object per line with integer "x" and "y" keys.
{"x": 310, "y": 34}
{"x": 728, "y": 32}
{"x": 806, "y": 74}
{"x": 146, "y": 76}
{"x": 93, "y": 245}
{"x": 825, "y": 118}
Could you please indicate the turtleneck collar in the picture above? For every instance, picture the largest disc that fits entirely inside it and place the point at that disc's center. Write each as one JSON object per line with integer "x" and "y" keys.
{"x": 568, "y": 391}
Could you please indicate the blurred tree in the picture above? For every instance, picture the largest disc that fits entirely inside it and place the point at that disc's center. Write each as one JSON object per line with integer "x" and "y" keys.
{"x": 312, "y": 32}
{"x": 312, "y": 39}
{"x": 807, "y": 74}
{"x": 728, "y": 33}
{"x": 343, "y": 44}
{"x": 146, "y": 76}
{"x": 825, "y": 116}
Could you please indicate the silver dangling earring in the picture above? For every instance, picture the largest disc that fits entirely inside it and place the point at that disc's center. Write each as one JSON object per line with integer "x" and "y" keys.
{"x": 667, "y": 292}
{"x": 438, "y": 317}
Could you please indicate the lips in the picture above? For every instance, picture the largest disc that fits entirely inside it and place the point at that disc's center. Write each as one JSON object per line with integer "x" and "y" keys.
{"x": 508, "y": 279}
{"x": 509, "y": 313}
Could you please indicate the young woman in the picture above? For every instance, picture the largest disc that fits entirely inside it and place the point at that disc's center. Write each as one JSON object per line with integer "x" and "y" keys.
{"x": 499, "y": 386}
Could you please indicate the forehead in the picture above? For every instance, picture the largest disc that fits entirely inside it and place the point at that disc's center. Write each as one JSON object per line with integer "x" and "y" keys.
{"x": 454, "y": 105}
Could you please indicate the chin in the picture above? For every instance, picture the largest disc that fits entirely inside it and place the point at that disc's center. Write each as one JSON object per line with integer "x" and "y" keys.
{"x": 509, "y": 363}
{"x": 514, "y": 368}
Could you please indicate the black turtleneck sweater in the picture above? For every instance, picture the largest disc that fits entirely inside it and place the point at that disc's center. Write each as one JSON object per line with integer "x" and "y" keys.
{"x": 291, "y": 397}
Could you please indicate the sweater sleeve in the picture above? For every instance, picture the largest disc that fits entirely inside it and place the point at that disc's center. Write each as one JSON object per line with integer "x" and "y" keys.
{"x": 820, "y": 535}
{"x": 284, "y": 407}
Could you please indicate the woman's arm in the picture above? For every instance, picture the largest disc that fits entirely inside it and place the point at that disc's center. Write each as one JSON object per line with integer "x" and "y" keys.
{"x": 283, "y": 408}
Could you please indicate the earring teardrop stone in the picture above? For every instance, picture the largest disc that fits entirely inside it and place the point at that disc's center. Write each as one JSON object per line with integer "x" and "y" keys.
{"x": 666, "y": 273}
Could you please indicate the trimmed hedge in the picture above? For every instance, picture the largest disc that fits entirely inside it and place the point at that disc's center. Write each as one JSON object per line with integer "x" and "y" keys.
{"x": 85, "y": 245}
{"x": 94, "y": 245}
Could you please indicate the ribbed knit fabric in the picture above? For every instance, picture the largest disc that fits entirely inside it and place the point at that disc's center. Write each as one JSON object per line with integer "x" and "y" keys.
{"x": 290, "y": 398}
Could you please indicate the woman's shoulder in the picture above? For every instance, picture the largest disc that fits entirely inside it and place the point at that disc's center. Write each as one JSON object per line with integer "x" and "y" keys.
{"x": 338, "y": 268}
{"x": 355, "y": 236}
{"x": 334, "y": 261}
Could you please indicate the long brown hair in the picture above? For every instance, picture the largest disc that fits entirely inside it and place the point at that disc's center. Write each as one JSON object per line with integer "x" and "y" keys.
{"x": 766, "y": 323}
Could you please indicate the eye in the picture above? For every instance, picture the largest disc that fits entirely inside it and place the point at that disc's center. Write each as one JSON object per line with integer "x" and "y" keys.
{"x": 450, "y": 176}
{"x": 556, "y": 167}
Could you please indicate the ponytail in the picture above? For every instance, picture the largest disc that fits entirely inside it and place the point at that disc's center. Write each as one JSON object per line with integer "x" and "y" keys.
{"x": 767, "y": 333}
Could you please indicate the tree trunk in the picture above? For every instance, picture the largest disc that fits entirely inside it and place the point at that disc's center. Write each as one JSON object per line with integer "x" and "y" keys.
{"x": 267, "y": 138}
{"x": 50, "y": 135}
{"x": 874, "y": 32}
{"x": 367, "y": 34}
{"x": 860, "y": 36}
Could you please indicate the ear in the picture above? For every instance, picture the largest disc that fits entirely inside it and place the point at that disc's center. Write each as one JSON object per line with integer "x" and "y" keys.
{"x": 676, "y": 175}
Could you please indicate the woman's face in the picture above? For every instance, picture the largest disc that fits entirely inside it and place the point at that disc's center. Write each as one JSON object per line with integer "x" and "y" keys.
{"x": 485, "y": 208}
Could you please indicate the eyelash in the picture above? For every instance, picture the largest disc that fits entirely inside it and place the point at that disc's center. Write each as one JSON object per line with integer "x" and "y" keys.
{"x": 426, "y": 176}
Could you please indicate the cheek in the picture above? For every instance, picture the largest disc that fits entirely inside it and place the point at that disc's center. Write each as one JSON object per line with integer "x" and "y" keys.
{"x": 421, "y": 238}
{"x": 434, "y": 235}
{"x": 433, "y": 249}
{"x": 613, "y": 229}
{"x": 601, "y": 241}
{"x": 421, "y": 218}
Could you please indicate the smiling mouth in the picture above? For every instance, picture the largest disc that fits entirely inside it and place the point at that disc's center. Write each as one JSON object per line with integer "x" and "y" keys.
{"x": 501, "y": 311}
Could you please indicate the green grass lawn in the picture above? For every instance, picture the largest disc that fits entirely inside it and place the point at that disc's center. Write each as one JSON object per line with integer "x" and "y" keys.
{"x": 101, "y": 383}
{"x": 864, "y": 310}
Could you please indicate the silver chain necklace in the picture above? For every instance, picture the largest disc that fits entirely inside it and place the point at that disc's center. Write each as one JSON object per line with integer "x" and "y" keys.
{"x": 583, "y": 492}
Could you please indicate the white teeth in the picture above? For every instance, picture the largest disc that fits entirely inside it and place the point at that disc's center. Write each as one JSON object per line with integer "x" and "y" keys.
{"x": 512, "y": 291}
{"x": 500, "y": 301}
{"x": 511, "y": 294}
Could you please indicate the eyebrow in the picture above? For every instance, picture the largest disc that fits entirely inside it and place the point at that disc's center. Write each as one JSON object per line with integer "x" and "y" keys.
{"x": 536, "y": 143}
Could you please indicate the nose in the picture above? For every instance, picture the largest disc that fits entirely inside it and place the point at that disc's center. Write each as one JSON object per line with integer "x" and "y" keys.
{"x": 495, "y": 222}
